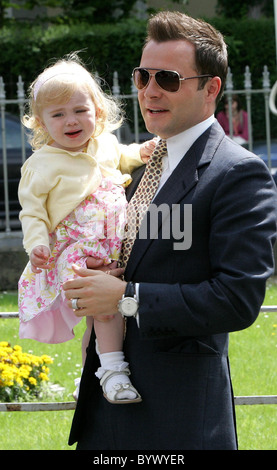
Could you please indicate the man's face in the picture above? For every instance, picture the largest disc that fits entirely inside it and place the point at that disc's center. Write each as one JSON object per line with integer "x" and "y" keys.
{"x": 165, "y": 113}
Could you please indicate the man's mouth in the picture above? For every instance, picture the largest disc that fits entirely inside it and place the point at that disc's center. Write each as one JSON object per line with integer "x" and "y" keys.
{"x": 156, "y": 111}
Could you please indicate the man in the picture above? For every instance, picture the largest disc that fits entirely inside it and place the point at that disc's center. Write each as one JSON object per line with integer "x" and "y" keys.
{"x": 189, "y": 296}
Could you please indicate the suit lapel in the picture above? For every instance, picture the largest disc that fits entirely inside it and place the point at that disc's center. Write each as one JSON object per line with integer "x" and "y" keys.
{"x": 181, "y": 181}
{"x": 136, "y": 177}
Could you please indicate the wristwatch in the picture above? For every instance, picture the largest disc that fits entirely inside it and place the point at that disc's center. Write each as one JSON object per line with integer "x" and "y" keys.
{"x": 128, "y": 305}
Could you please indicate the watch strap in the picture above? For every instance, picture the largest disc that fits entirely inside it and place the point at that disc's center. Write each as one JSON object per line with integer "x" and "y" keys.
{"x": 130, "y": 290}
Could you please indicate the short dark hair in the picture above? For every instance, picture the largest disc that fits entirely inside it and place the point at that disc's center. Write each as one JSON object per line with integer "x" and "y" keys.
{"x": 211, "y": 55}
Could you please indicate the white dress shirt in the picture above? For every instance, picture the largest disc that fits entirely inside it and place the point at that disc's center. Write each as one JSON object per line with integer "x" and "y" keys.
{"x": 177, "y": 147}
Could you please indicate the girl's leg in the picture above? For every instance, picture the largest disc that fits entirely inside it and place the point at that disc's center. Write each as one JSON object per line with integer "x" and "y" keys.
{"x": 109, "y": 334}
{"x": 110, "y": 350}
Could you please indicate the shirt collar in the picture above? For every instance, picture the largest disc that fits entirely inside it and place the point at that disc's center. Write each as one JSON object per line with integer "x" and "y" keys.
{"x": 178, "y": 145}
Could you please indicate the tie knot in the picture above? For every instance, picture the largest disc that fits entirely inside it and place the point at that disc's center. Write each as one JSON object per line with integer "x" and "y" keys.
{"x": 160, "y": 150}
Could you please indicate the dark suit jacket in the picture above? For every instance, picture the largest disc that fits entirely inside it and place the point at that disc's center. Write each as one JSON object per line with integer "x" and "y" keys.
{"x": 189, "y": 301}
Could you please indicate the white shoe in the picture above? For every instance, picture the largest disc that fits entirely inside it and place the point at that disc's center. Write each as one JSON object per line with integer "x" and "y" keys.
{"x": 114, "y": 394}
{"x": 76, "y": 391}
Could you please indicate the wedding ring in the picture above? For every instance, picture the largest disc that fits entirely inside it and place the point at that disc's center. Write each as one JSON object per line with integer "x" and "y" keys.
{"x": 74, "y": 304}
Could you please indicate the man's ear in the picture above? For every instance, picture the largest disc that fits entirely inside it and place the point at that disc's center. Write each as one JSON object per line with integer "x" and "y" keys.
{"x": 213, "y": 87}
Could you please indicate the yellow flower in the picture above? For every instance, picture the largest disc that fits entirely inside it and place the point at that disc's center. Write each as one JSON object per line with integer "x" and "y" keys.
{"x": 26, "y": 360}
{"x": 21, "y": 372}
{"x": 19, "y": 382}
{"x": 24, "y": 371}
{"x": 35, "y": 361}
{"x": 43, "y": 376}
{"x": 32, "y": 380}
{"x": 7, "y": 377}
{"x": 47, "y": 359}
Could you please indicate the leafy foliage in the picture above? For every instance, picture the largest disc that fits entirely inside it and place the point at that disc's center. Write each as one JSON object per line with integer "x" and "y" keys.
{"x": 73, "y": 11}
{"x": 241, "y": 8}
{"x": 21, "y": 374}
{"x": 116, "y": 46}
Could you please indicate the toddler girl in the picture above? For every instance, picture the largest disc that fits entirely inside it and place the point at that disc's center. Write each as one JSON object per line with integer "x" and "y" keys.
{"x": 73, "y": 206}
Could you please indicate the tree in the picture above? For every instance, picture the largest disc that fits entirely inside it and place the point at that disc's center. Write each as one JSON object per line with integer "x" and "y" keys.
{"x": 241, "y": 8}
{"x": 74, "y": 11}
{"x": 98, "y": 11}
{"x": 25, "y": 5}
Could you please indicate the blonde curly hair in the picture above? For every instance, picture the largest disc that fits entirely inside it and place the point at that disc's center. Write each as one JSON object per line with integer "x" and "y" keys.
{"x": 56, "y": 85}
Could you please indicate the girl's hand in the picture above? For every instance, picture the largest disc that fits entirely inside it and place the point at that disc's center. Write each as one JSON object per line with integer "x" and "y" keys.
{"x": 94, "y": 263}
{"x": 147, "y": 148}
{"x": 39, "y": 257}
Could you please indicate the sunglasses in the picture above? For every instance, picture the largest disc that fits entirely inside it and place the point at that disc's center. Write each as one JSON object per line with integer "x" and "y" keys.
{"x": 168, "y": 80}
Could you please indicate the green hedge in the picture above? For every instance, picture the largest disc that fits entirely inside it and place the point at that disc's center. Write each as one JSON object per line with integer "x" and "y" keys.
{"x": 251, "y": 42}
{"x": 25, "y": 50}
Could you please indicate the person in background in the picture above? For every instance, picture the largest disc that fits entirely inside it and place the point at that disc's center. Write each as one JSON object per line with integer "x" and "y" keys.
{"x": 239, "y": 120}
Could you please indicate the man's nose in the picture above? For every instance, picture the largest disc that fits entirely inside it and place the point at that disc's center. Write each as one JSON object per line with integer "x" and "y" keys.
{"x": 152, "y": 89}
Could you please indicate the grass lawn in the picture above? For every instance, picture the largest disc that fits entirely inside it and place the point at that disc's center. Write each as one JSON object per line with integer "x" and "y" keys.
{"x": 253, "y": 354}
{"x": 253, "y": 368}
{"x": 47, "y": 430}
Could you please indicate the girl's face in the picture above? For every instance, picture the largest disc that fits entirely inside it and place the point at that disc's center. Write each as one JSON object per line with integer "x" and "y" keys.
{"x": 71, "y": 124}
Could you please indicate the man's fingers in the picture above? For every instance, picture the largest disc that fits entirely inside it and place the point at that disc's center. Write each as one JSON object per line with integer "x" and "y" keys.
{"x": 78, "y": 282}
{"x": 83, "y": 272}
{"x": 75, "y": 287}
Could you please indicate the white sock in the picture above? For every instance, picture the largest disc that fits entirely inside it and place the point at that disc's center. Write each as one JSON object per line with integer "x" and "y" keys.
{"x": 115, "y": 361}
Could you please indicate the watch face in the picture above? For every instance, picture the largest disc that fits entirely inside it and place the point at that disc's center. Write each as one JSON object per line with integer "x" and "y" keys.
{"x": 129, "y": 306}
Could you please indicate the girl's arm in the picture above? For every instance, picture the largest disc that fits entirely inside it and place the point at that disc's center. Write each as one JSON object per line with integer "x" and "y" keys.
{"x": 134, "y": 155}
{"x": 32, "y": 194}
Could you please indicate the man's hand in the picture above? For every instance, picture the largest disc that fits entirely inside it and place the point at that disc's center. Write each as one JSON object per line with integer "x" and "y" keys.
{"x": 97, "y": 292}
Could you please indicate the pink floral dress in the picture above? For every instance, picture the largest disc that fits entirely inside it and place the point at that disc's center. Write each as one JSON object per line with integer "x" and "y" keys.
{"x": 95, "y": 228}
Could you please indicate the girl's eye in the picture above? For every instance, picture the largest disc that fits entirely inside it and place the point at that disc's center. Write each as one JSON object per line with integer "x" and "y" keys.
{"x": 81, "y": 111}
{"x": 57, "y": 115}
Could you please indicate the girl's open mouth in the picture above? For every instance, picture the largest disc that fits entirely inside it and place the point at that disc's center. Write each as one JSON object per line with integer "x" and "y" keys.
{"x": 73, "y": 133}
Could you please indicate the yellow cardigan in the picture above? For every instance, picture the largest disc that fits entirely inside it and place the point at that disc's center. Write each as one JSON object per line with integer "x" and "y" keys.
{"x": 54, "y": 182}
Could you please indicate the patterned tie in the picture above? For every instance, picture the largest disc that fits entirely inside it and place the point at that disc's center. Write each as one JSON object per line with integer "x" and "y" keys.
{"x": 140, "y": 201}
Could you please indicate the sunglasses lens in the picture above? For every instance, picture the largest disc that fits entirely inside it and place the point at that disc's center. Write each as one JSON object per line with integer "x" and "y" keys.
{"x": 168, "y": 80}
{"x": 141, "y": 78}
